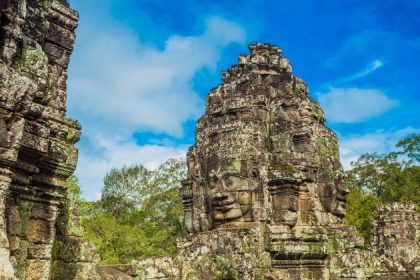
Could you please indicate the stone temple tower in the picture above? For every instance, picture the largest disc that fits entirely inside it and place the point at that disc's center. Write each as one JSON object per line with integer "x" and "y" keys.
{"x": 265, "y": 197}
{"x": 264, "y": 160}
{"x": 39, "y": 237}
{"x": 263, "y": 152}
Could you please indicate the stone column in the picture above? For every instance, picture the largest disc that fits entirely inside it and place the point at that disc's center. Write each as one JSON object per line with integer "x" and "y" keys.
{"x": 186, "y": 194}
{"x": 41, "y": 234}
{"x": 396, "y": 238}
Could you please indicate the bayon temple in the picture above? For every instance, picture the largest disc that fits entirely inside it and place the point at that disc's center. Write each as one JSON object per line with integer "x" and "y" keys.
{"x": 264, "y": 197}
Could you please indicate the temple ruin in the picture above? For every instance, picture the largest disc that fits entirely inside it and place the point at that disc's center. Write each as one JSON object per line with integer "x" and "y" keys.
{"x": 38, "y": 238}
{"x": 264, "y": 197}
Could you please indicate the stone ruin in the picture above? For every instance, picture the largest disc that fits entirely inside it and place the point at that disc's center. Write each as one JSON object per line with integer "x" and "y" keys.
{"x": 39, "y": 239}
{"x": 37, "y": 152}
{"x": 264, "y": 197}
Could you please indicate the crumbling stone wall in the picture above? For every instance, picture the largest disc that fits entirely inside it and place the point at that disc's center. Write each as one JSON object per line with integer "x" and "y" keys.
{"x": 396, "y": 238}
{"x": 39, "y": 233}
{"x": 74, "y": 258}
{"x": 37, "y": 152}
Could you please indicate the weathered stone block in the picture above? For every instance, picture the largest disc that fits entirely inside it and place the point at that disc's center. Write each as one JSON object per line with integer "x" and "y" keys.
{"x": 75, "y": 249}
{"x": 37, "y": 269}
{"x": 40, "y": 231}
{"x": 61, "y": 36}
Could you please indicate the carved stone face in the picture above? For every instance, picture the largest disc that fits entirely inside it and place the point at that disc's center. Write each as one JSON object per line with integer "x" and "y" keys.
{"x": 230, "y": 197}
{"x": 333, "y": 199}
{"x": 339, "y": 201}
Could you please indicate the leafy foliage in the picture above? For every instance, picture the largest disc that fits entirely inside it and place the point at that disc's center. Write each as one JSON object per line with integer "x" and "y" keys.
{"x": 74, "y": 193}
{"x": 139, "y": 214}
{"x": 361, "y": 209}
{"x": 376, "y": 179}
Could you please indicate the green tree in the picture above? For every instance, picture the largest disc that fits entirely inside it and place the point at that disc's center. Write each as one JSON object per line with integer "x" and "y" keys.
{"x": 376, "y": 179}
{"x": 74, "y": 192}
{"x": 139, "y": 214}
{"x": 361, "y": 209}
{"x": 391, "y": 177}
{"x": 125, "y": 189}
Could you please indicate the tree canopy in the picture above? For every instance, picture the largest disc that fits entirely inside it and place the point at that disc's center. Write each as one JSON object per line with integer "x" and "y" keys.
{"x": 376, "y": 179}
{"x": 139, "y": 214}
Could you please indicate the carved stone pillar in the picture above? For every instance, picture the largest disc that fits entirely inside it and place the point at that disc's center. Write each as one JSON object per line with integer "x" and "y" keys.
{"x": 396, "y": 238}
{"x": 186, "y": 193}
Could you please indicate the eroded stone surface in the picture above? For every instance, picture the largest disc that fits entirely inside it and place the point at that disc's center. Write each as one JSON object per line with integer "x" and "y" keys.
{"x": 40, "y": 233}
{"x": 37, "y": 152}
{"x": 396, "y": 238}
{"x": 263, "y": 152}
{"x": 265, "y": 197}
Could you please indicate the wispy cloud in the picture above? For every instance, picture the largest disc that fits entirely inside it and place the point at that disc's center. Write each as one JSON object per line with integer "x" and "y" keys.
{"x": 352, "y": 105}
{"x": 370, "y": 68}
{"x": 380, "y": 141}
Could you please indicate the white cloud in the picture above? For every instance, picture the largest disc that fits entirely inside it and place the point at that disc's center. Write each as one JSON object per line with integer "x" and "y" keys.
{"x": 370, "y": 68}
{"x": 381, "y": 141}
{"x": 119, "y": 85}
{"x": 352, "y": 105}
{"x": 127, "y": 86}
{"x": 117, "y": 152}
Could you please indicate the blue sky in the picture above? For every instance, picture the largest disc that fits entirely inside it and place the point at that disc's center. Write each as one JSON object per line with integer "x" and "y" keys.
{"x": 142, "y": 68}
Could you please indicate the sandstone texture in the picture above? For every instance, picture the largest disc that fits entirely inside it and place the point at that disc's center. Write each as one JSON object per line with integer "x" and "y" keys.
{"x": 37, "y": 152}
{"x": 39, "y": 236}
{"x": 264, "y": 197}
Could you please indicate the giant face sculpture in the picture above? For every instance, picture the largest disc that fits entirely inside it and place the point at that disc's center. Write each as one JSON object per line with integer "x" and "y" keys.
{"x": 338, "y": 205}
{"x": 262, "y": 118}
{"x": 333, "y": 199}
{"x": 230, "y": 197}
{"x": 332, "y": 189}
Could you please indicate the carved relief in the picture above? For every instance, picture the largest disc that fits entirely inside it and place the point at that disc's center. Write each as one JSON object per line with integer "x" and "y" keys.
{"x": 37, "y": 140}
{"x": 262, "y": 117}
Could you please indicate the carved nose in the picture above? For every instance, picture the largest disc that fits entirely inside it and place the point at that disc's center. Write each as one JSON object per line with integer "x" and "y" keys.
{"x": 220, "y": 195}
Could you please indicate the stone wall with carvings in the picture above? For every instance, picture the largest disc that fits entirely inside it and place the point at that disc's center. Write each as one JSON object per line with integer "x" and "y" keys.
{"x": 37, "y": 152}
{"x": 396, "y": 238}
{"x": 265, "y": 197}
{"x": 40, "y": 235}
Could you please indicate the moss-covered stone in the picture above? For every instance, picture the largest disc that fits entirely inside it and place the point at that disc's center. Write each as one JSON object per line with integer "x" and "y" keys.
{"x": 25, "y": 209}
{"x": 46, "y": 4}
{"x": 33, "y": 63}
{"x": 222, "y": 264}
{"x": 20, "y": 256}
